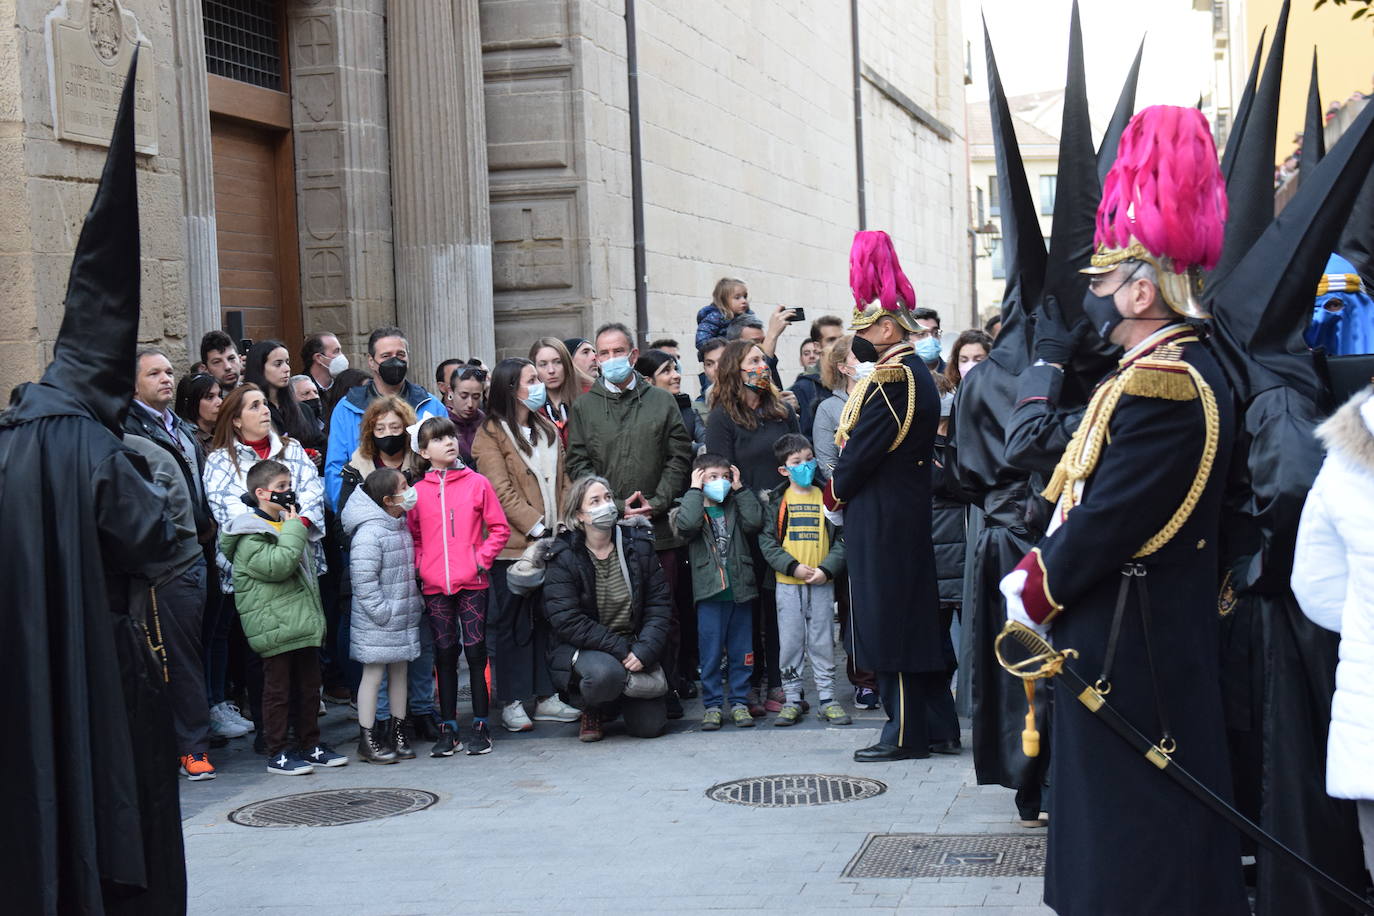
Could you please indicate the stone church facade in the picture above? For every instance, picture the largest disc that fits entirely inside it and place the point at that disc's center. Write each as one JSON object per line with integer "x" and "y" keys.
{"x": 465, "y": 168}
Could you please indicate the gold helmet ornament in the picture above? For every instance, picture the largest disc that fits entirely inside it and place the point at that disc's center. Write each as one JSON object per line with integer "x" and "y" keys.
{"x": 878, "y": 284}
{"x": 1164, "y": 203}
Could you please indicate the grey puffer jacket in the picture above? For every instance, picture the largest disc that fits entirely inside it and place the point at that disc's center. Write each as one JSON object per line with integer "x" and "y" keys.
{"x": 386, "y": 598}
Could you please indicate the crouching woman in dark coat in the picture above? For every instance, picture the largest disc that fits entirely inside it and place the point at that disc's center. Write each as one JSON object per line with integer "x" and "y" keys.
{"x": 608, "y": 607}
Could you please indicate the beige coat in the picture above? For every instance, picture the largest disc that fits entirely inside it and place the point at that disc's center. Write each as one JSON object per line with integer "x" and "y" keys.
{"x": 516, "y": 483}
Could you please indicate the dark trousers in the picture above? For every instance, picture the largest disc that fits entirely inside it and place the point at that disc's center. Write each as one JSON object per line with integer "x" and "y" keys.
{"x": 332, "y": 672}
{"x": 215, "y": 623}
{"x": 518, "y": 641}
{"x": 919, "y": 707}
{"x": 600, "y": 680}
{"x": 856, "y": 677}
{"x": 671, "y": 561}
{"x": 291, "y": 673}
{"x": 180, "y": 607}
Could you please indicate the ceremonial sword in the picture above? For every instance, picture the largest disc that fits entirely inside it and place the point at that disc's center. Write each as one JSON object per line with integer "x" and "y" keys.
{"x": 1045, "y": 661}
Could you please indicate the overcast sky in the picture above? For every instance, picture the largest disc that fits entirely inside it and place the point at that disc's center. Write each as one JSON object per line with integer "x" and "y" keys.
{"x": 1031, "y": 39}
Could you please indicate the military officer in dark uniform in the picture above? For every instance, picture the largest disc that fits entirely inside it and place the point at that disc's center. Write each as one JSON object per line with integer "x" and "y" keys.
{"x": 882, "y": 483}
{"x": 1127, "y": 574}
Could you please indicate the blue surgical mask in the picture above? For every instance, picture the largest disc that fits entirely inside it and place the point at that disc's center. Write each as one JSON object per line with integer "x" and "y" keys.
{"x": 538, "y": 396}
{"x": 616, "y": 369}
{"x": 717, "y": 489}
{"x": 928, "y": 348}
{"x": 804, "y": 474}
{"x": 863, "y": 371}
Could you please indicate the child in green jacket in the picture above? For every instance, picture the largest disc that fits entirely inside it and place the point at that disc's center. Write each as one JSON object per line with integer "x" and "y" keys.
{"x": 718, "y": 516}
{"x": 278, "y": 600}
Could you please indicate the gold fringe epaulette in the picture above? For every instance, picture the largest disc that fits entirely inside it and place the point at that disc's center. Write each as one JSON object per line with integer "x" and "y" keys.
{"x": 1170, "y": 379}
{"x": 1163, "y": 374}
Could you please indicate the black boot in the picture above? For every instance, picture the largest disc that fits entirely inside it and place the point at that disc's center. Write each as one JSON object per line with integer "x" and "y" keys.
{"x": 423, "y": 727}
{"x": 382, "y": 729}
{"x": 400, "y": 741}
{"x": 371, "y": 749}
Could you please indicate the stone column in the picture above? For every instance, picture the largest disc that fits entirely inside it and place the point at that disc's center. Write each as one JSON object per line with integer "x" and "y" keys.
{"x": 441, "y": 224}
{"x": 197, "y": 176}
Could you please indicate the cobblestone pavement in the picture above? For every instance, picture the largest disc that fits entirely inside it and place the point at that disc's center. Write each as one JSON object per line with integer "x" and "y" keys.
{"x": 547, "y": 824}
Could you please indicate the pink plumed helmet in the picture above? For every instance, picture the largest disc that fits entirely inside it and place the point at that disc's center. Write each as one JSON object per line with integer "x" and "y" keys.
{"x": 877, "y": 281}
{"x": 1164, "y": 202}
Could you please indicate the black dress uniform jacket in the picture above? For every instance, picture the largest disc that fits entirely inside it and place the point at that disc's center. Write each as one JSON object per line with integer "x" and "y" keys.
{"x": 894, "y": 597}
{"x": 1124, "y": 839}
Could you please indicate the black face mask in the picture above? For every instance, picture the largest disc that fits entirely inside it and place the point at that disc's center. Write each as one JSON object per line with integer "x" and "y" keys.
{"x": 286, "y": 499}
{"x": 390, "y": 445}
{"x": 393, "y": 371}
{"x": 1102, "y": 311}
{"x": 312, "y": 407}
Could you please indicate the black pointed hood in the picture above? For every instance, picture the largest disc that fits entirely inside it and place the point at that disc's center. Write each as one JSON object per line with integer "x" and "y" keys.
{"x": 1077, "y": 188}
{"x": 1266, "y": 302}
{"x": 1314, "y": 127}
{"x": 1242, "y": 114}
{"x": 1250, "y": 184}
{"x": 93, "y": 357}
{"x": 1125, "y": 108}
{"x": 1023, "y": 247}
{"x": 1357, "y": 242}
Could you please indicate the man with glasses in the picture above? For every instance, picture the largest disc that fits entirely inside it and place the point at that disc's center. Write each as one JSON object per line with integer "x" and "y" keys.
{"x": 926, "y": 338}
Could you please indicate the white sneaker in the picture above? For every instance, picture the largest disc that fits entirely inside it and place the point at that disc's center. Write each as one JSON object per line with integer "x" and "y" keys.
{"x": 553, "y": 709}
{"x": 514, "y": 719}
{"x": 236, "y": 716}
{"x": 222, "y": 726}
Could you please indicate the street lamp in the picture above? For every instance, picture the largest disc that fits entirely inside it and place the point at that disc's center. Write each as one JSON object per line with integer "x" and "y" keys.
{"x": 988, "y": 237}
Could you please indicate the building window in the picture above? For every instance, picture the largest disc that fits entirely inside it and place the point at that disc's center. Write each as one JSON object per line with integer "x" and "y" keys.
{"x": 243, "y": 41}
{"x": 999, "y": 271}
{"x": 978, "y": 223}
{"x": 1048, "y": 184}
{"x": 994, "y": 205}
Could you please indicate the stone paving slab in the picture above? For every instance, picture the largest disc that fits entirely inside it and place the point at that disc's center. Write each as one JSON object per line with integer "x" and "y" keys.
{"x": 547, "y": 824}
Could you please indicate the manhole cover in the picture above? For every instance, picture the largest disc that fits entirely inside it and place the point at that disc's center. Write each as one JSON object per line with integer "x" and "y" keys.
{"x": 924, "y": 855}
{"x": 795, "y": 791}
{"x": 332, "y": 807}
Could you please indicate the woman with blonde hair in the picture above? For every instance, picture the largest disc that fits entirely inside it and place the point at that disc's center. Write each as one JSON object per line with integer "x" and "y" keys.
{"x": 563, "y": 382}
{"x": 837, "y": 368}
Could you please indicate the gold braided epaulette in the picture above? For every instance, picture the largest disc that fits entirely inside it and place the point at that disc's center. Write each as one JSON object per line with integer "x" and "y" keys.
{"x": 1160, "y": 378}
{"x": 871, "y": 386}
{"x": 1163, "y": 375}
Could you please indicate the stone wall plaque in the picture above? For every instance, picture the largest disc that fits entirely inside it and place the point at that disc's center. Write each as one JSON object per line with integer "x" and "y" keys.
{"x": 90, "y": 43}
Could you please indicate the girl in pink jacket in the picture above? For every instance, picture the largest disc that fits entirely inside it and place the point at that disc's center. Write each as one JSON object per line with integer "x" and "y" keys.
{"x": 458, "y": 528}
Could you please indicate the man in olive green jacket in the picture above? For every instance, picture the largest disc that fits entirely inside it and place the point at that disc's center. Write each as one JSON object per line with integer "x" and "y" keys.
{"x": 631, "y": 433}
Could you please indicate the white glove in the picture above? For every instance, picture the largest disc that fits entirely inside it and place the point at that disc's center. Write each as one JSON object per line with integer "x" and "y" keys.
{"x": 1011, "y": 587}
{"x": 835, "y": 517}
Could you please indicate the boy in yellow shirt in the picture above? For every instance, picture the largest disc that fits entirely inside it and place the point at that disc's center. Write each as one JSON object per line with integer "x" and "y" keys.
{"x": 806, "y": 553}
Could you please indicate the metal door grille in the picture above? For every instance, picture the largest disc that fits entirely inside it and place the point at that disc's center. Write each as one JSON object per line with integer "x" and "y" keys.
{"x": 243, "y": 41}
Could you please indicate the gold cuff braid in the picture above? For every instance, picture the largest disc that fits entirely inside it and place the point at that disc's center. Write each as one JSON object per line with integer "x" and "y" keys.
{"x": 1164, "y": 377}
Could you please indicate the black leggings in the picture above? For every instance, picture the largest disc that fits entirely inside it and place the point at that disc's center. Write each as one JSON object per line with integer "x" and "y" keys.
{"x": 446, "y": 661}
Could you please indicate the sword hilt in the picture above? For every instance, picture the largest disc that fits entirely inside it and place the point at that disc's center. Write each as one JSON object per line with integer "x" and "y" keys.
{"x": 1044, "y": 659}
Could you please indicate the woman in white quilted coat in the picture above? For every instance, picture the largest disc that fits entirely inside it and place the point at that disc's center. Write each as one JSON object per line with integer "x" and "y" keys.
{"x": 1333, "y": 579}
{"x": 385, "y": 626}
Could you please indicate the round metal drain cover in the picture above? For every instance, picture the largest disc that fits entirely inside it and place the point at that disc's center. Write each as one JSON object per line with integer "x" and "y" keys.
{"x": 332, "y": 807}
{"x": 795, "y": 791}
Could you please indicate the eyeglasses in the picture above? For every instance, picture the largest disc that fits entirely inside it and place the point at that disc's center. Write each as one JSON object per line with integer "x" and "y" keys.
{"x": 923, "y": 333}
{"x": 472, "y": 372}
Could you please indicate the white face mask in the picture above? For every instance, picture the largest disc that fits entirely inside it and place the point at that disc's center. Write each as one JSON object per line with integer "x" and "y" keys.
{"x": 338, "y": 365}
{"x": 408, "y": 498}
{"x": 863, "y": 371}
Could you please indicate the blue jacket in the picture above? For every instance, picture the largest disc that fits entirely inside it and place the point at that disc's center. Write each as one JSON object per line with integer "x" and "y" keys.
{"x": 711, "y": 323}
{"x": 344, "y": 425}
